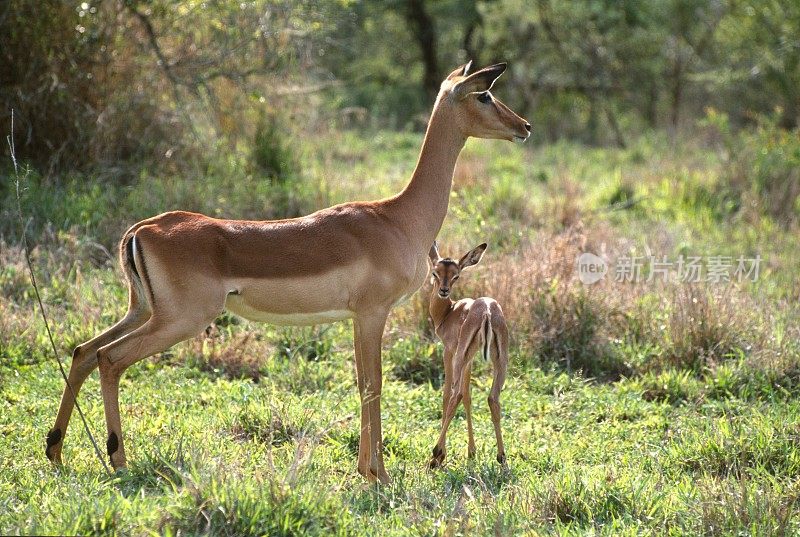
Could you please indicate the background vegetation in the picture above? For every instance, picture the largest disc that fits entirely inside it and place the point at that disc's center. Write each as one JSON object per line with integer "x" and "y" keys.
{"x": 660, "y": 128}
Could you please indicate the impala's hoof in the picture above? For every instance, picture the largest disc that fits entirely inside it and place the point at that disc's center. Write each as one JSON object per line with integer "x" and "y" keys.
{"x": 501, "y": 458}
{"x": 384, "y": 478}
{"x": 438, "y": 458}
{"x": 53, "y": 449}
{"x": 368, "y": 474}
{"x": 372, "y": 477}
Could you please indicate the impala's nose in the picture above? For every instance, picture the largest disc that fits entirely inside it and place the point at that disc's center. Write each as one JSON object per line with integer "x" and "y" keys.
{"x": 527, "y": 126}
{"x": 444, "y": 292}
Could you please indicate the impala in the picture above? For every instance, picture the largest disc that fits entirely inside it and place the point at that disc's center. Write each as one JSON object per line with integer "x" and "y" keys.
{"x": 464, "y": 327}
{"x": 350, "y": 261}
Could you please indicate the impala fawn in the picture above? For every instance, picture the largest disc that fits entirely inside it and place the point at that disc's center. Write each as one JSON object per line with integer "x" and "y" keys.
{"x": 464, "y": 327}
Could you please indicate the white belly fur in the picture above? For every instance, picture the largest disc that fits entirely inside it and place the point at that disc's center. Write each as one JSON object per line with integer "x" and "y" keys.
{"x": 237, "y": 306}
{"x": 318, "y": 299}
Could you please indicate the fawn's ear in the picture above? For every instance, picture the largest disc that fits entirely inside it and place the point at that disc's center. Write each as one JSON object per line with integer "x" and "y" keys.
{"x": 472, "y": 257}
{"x": 433, "y": 254}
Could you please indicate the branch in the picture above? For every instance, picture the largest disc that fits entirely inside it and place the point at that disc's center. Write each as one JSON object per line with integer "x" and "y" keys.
{"x": 162, "y": 60}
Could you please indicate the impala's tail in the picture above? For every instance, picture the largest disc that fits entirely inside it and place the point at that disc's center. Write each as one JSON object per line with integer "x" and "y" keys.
{"x": 126, "y": 258}
{"x": 486, "y": 328}
{"x": 135, "y": 273}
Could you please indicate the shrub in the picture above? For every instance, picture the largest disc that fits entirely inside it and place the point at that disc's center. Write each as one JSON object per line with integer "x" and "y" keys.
{"x": 311, "y": 343}
{"x": 418, "y": 361}
{"x": 763, "y": 166}
{"x": 273, "y": 428}
{"x": 67, "y": 73}
{"x": 569, "y": 323}
{"x": 271, "y": 154}
{"x": 706, "y": 327}
{"x": 227, "y": 356}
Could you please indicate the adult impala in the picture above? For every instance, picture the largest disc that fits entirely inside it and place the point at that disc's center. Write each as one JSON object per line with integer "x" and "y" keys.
{"x": 350, "y": 261}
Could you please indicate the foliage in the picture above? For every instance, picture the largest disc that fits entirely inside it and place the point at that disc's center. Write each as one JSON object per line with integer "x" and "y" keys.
{"x": 763, "y": 171}
{"x": 168, "y": 85}
{"x": 114, "y": 84}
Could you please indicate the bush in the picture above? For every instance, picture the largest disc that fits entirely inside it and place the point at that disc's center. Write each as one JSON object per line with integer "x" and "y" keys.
{"x": 68, "y": 74}
{"x": 271, "y": 154}
{"x": 762, "y": 167}
{"x": 569, "y": 322}
{"x": 706, "y": 327}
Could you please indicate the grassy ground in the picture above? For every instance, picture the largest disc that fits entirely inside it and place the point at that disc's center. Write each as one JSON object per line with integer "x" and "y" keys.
{"x": 655, "y": 408}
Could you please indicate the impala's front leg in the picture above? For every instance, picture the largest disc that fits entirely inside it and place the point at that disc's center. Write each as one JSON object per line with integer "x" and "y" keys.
{"x": 369, "y": 334}
{"x": 439, "y": 451}
{"x": 456, "y": 394}
{"x": 460, "y": 380}
{"x": 363, "y": 440}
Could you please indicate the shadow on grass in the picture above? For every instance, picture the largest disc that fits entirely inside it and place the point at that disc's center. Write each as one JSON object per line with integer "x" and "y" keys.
{"x": 485, "y": 476}
{"x": 407, "y": 490}
{"x": 155, "y": 470}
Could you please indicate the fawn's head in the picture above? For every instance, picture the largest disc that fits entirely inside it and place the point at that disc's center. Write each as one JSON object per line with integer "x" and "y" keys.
{"x": 477, "y": 112}
{"x": 445, "y": 271}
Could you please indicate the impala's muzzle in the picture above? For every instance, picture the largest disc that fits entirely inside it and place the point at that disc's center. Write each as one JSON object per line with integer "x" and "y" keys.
{"x": 519, "y": 137}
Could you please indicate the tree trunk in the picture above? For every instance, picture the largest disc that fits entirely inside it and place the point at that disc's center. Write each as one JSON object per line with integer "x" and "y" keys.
{"x": 652, "y": 105}
{"x": 474, "y": 21}
{"x": 593, "y": 121}
{"x": 677, "y": 92}
{"x": 619, "y": 138}
{"x": 789, "y": 116}
{"x": 422, "y": 26}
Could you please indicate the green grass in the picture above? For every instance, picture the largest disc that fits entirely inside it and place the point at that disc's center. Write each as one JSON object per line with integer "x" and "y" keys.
{"x": 627, "y": 420}
{"x": 235, "y": 457}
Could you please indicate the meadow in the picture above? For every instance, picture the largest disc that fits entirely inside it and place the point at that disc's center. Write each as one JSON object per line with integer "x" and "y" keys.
{"x": 631, "y": 408}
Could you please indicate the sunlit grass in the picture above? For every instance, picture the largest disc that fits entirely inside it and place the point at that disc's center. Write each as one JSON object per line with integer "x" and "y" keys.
{"x": 621, "y": 416}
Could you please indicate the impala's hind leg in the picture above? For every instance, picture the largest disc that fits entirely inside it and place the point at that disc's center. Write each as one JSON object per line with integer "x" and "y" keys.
{"x": 158, "y": 334}
{"x": 500, "y": 366}
{"x": 466, "y": 389}
{"x": 84, "y": 360}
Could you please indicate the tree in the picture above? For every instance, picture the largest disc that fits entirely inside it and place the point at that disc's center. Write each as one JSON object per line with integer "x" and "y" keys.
{"x": 760, "y": 42}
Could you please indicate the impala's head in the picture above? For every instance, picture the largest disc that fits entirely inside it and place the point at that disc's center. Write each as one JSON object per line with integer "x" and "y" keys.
{"x": 478, "y": 113}
{"x": 445, "y": 271}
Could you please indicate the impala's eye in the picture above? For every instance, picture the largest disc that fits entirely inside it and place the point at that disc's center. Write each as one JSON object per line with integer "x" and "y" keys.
{"x": 485, "y": 98}
{"x": 435, "y": 276}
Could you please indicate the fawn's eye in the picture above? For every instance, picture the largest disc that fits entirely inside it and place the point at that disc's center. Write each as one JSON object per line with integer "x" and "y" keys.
{"x": 485, "y": 98}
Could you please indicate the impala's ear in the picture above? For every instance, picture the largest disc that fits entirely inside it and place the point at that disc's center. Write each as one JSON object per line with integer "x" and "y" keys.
{"x": 460, "y": 71}
{"x": 472, "y": 257}
{"x": 433, "y": 254}
{"x": 479, "y": 81}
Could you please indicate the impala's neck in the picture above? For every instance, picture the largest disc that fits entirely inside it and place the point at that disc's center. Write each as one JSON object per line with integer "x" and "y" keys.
{"x": 425, "y": 198}
{"x": 439, "y": 308}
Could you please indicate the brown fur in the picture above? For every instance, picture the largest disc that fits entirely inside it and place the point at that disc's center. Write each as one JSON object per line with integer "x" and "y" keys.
{"x": 465, "y": 327}
{"x": 317, "y": 268}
